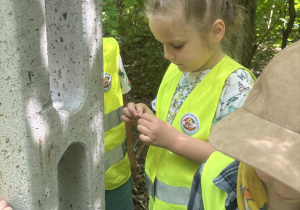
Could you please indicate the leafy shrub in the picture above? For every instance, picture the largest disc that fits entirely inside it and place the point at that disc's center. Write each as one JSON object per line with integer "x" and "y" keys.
{"x": 142, "y": 55}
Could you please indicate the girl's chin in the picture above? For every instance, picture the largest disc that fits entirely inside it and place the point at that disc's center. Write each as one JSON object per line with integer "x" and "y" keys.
{"x": 182, "y": 68}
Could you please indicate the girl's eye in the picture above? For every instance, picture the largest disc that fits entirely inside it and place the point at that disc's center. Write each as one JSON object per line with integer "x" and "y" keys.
{"x": 177, "y": 46}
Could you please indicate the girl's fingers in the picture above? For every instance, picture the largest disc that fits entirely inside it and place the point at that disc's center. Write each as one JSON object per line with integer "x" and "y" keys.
{"x": 126, "y": 119}
{"x": 137, "y": 110}
{"x": 147, "y": 117}
{"x": 132, "y": 109}
{"x": 145, "y": 139}
{"x": 144, "y": 122}
{"x": 127, "y": 113}
{"x": 142, "y": 129}
{"x": 148, "y": 111}
{"x": 140, "y": 108}
{"x": 129, "y": 120}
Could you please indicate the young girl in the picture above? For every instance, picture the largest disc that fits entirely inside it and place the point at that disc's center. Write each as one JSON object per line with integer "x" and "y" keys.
{"x": 200, "y": 87}
{"x": 267, "y": 176}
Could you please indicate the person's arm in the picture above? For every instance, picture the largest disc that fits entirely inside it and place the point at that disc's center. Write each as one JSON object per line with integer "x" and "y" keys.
{"x": 4, "y": 205}
{"x": 129, "y": 143}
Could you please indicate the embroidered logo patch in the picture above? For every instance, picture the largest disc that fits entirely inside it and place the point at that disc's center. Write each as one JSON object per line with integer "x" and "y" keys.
{"x": 106, "y": 81}
{"x": 190, "y": 124}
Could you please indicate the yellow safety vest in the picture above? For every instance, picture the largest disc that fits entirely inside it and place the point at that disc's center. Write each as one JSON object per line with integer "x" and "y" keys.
{"x": 168, "y": 175}
{"x": 117, "y": 165}
{"x": 212, "y": 196}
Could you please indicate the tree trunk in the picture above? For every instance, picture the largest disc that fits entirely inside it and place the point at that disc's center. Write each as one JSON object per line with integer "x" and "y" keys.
{"x": 244, "y": 45}
{"x": 288, "y": 30}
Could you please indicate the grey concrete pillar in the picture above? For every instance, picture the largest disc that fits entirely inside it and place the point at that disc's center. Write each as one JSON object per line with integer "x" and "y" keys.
{"x": 51, "y": 104}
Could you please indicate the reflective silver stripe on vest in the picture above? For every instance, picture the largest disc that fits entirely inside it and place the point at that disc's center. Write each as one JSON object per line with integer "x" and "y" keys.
{"x": 112, "y": 119}
{"x": 167, "y": 193}
{"x": 115, "y": 155}
{"x": 149, "y": 186}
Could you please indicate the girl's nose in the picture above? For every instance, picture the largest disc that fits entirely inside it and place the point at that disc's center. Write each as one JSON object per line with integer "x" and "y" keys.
{"x": 168, "y": 54}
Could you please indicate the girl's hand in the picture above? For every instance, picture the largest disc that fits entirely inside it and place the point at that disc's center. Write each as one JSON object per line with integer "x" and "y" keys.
{"x": 157, "y": 132}
{"x": 133, "y": 112}
{"x": 162, "y": 134}
{"x": 4, "y": 205}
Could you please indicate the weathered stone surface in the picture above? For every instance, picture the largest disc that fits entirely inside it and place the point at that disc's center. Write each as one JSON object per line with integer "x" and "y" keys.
{"x": 51, "y": 104}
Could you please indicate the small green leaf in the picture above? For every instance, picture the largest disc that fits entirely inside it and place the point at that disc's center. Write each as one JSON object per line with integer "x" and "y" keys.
{"x": 112, "y": 13}
{"x": 129, "y": 3}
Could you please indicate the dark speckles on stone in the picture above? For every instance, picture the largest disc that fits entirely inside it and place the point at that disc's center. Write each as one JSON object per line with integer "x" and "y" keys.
{"x": 65, "y": 16}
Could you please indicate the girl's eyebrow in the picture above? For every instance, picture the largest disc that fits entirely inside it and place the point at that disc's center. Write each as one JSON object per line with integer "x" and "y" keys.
{"x": 176, "y": 43}
{"x": 172, "y": 41}
{"x": 176, "y": 39}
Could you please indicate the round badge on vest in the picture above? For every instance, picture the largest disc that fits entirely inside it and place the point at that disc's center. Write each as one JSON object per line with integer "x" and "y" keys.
{"x": 190, "y": 124}
{"x": 107, "y": 81}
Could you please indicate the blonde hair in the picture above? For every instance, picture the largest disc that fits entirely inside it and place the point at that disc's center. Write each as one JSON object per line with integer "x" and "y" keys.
{"x": 202, "y": 14}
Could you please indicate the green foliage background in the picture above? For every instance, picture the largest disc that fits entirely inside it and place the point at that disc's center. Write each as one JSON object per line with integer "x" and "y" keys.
{"x": 271, "y": 19}
{"x": 143, "y": 55}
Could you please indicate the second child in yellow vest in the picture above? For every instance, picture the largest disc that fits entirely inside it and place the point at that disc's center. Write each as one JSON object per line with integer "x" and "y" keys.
{"x": 200, "y": 87}
{"x": 118, "y": 136}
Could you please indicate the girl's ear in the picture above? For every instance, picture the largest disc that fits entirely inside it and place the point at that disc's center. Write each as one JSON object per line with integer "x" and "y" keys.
{"x": 218, "y": 31}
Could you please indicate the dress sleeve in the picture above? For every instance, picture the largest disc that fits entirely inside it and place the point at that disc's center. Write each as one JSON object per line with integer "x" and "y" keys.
{"x": 234, "y": 93}
{"x": 153, "y": 103}
{"x": 124, "y": 81}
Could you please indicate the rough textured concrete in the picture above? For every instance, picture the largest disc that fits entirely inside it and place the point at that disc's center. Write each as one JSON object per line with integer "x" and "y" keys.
{"x": 51, "y": 101}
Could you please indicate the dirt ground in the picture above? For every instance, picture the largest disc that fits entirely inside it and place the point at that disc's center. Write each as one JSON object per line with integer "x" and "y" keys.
{"x": 139, "y": 192}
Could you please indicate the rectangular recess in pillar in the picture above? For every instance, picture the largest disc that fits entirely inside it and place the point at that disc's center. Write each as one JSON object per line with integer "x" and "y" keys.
{"x": 73, "y": 179}
{"x": 68, "y": 58}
